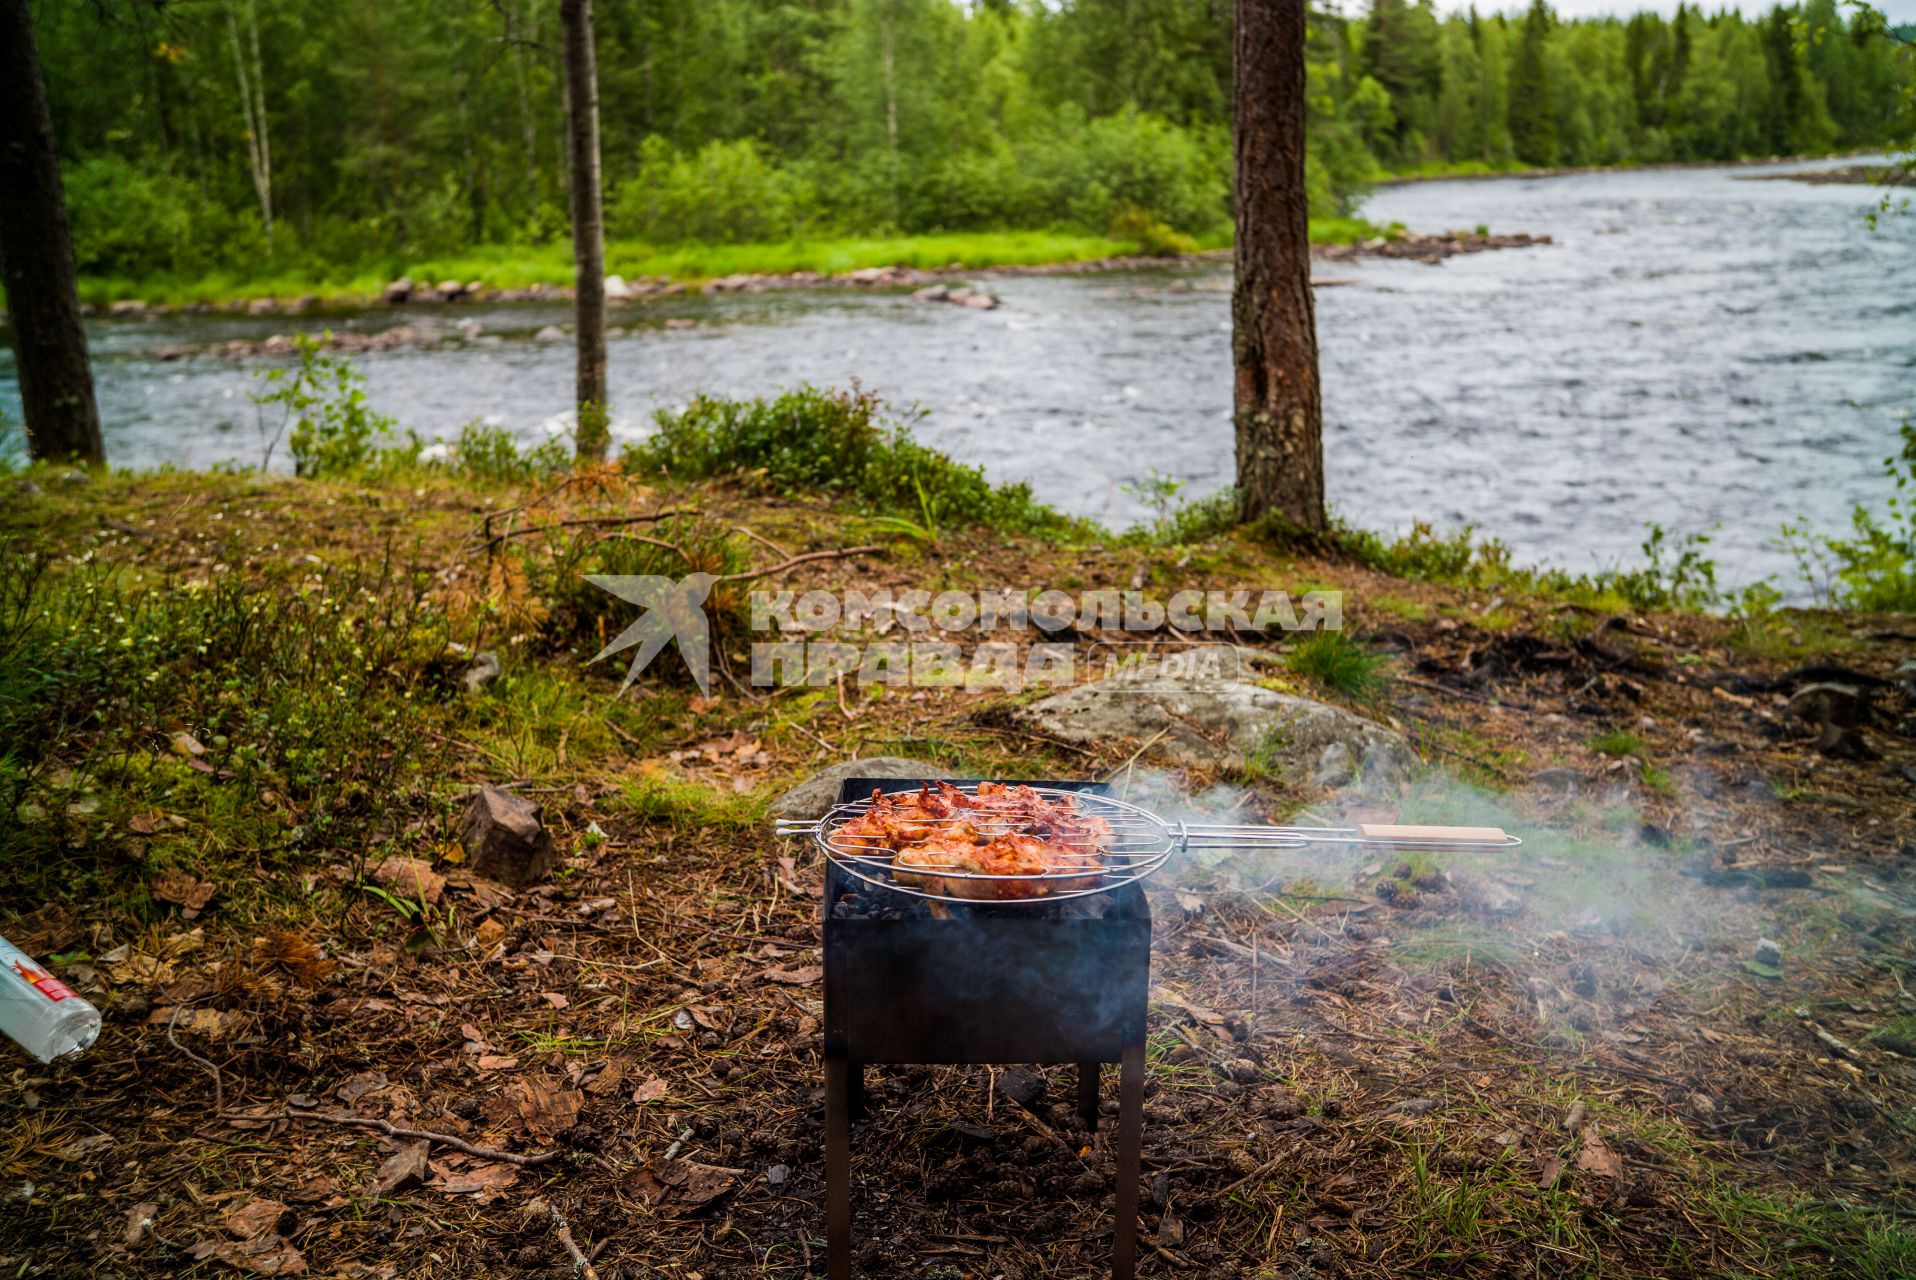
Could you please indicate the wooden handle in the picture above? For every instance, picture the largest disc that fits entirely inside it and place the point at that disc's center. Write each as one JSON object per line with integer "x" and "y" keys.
{"x": 1446, "y": 835}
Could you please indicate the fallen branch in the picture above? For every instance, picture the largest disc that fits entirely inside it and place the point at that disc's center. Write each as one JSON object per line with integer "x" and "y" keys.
{"x": 584, "y": 522}
{"x": 581, "y": 1265}
{"x": 419, "y": 1135}
{"x": 839, "y": 554}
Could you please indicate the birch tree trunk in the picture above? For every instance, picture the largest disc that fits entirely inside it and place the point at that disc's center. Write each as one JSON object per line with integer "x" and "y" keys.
{"x": 259, "y": 151}
{"x": 36, "y": 259}
{"x": 1278, "y": 411}
{"x": 588, "y": 232}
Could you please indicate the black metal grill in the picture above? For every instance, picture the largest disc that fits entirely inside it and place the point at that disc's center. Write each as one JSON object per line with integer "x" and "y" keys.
{"x": 977, "y": 983}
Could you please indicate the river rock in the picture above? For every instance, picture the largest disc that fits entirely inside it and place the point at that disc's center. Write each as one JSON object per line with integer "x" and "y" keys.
{"x": 449, "y": 291}
{"x": 399, "y": 290}
{"x": 617, "y": 290}
{"x": 262, "y": 306}
{"x": 932, "y": 293}
{"x": 818, "y": 793}
{"x": 1218, "y": 724}
{"x": 551, "y": 333}
{"x": 975, "y": 299}
{"x": 504, "y": 838}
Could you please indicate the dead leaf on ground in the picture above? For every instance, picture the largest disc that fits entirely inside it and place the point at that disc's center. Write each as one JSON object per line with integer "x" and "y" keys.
{"x": 214, "y": 1024}
{"x": 268, "y": 1256}
{"x": 258, "y": 1218}
{"x": 545, "y": 1107}
{"x": 405, "y": 1167}
{"x": 410, "y": 878}
{"x": 607, "y": 1081}
{"x": 45, "y": 930}
{"x": 483, "y": 1180}
{"x": 82, "y": 1148}
{"x": 496, "y": 1062}
{"x": 1597, "y": 1157}
{"x": 801, "y": 976}
{"x": 139, "y": 1221}
{"x": 679, "y": 1187}
{"x": 184, "y": 889}
{"x": 650, "y": 1091}
{"x": 554, "y": 999}
{"x": 287, "y": 950}
{"x": 355, "y": 1087}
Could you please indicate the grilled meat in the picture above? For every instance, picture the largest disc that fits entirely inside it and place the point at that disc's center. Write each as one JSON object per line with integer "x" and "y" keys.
{"x": 1004, "y": 842}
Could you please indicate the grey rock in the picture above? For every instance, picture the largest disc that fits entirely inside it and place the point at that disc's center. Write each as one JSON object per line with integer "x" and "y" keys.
{"x": 73, "y": 478}
{"x": 399, "y": 290}
{"x": 1906, "y": 677}
{"x": 27, "y": 490}
{"x": 932, "y": 293}
{"x": 1222, "y": 723}
{"x": 483, "y": 671}
{"x": 504, "y": 838}
{"x": 818, "y": 793}
{"x": 550, "y": 333}
{"x": 1768, "y": 953}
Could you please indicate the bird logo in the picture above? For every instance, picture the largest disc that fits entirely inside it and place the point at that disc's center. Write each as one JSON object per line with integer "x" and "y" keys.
{"x": 674, "y": 610}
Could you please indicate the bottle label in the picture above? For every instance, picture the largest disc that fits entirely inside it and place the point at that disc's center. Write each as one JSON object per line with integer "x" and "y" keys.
{"x": 42, "y": 981}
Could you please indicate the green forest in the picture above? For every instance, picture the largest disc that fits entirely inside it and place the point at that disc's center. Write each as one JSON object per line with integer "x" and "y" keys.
{"x": 239, "y": 140}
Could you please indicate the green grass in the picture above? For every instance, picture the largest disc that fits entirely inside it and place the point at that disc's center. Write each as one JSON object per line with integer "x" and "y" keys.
{"x": 519, "y": 266}
{"x": 1618, "y": 744}
{"x": 1336, "y": 661}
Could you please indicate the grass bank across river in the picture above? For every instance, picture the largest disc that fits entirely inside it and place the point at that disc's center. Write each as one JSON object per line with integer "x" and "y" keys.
{"x": 240, "y": 713}
{"x": 521, "y": 266}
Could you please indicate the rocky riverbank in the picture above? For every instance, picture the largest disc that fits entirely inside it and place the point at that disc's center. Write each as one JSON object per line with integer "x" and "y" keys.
{"x": 1886, "y": 175}
{"x": 408, "y": 293}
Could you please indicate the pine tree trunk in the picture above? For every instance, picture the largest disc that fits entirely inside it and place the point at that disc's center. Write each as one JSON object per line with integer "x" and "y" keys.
{"x": 1278, "y": 412}
{"x": 588, "y": 231}
{"x": 36, "y": 259}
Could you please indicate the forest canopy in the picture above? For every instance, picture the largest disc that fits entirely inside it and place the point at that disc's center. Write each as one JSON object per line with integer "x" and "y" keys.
{"x": 232, "y": 135}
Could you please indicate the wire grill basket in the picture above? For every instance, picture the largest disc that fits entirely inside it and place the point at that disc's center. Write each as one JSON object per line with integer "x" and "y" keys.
{"x": 1140, "y": 843}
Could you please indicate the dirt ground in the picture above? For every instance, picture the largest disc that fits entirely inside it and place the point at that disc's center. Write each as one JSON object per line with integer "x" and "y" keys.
{"x": 1569, "y": 1060}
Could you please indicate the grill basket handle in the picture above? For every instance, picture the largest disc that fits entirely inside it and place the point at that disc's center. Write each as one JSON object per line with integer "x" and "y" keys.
{"x": 1387, "y": 833}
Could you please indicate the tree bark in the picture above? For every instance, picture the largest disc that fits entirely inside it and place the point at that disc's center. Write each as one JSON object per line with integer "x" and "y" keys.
{"x": 259, "y": 151}
{"x": 36, "y": 259}
{"x": 1278, "y": 409}
{"x": 588, "y": 231}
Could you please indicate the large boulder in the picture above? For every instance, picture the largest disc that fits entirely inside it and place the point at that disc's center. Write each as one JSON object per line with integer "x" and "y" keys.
{"x": 818, "y": 793}
{"x": 1221, "y": 724}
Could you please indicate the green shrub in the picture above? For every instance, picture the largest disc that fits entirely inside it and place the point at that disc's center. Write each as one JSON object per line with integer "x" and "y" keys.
{"x": 491, "y": 455}
{"x": 1874, "y": 568}
{"x": 323, "y": 399}
{"x": 837, "y": 443}
{"x": 723, "y": 193}
{"x": 1152, "y": 237}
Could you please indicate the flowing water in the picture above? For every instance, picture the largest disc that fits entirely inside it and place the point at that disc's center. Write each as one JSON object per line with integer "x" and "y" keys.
{"x": 1696, "y": 349}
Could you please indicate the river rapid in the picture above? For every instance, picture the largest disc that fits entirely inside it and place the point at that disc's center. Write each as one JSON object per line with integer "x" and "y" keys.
{"x": 1710, "y": 353}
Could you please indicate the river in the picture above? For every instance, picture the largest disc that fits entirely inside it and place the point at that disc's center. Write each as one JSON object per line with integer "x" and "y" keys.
{"x": 1698, "y": 350}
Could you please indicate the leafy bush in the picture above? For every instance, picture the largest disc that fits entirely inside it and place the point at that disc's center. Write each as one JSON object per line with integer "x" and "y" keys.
{"x": 838, "y": 443}
{"x": 1875, "y": 568}
{"x": 723, "y": 193}
{"x": 1153, "y": 238}
{"x": 323, "y": 399}
{"x": 492, "y": 455}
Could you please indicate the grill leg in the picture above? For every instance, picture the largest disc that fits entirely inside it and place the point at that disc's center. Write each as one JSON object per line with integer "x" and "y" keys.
{"x": 838, "y": 1169}
{"x": 855, "y": 1090}
{"x": 1124, "y": 1247}
{"x": 1088, "y": 1094}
